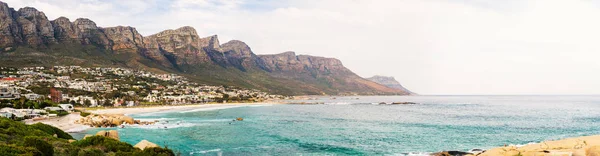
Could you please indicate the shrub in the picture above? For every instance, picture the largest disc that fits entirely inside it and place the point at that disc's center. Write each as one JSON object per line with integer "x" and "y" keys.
{"x": 39, "y": 144}
{"x": 91, "y": 152}
{"x": 52, "y": 130}
{"x": 61, "y": 113}
{"x": 153, "y": 151}
{"x": 85, "y": 114}
{"x": 109, "y": 144}
{"x": 157, "y": 151}
{"x": 13, "y": 150}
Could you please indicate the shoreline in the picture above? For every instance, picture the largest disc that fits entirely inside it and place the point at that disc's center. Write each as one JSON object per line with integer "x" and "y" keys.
{"x": 139, "y": 110}
{"x": 67, "y": 123}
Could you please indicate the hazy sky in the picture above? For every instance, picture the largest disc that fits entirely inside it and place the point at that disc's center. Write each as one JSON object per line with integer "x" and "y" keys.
{"x": 430, "y": 46}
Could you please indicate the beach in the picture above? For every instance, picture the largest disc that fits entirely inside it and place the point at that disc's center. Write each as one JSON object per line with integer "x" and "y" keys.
{"x": 67, "y": 123}
{"x": 139, "y": 110}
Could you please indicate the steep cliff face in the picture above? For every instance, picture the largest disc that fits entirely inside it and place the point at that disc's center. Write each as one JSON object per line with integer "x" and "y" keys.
{"x": 124, "y": 38}
{"x": 89, "y": 33}
{"x": 28, "y": 38}
{"x": 389, "y": 82}
{"x": 36, "y": 29}
{"x": 327, "y": 74}
{"x": 182, "y": 44}
{"x": 64, "y": 30}
{"x": 9, "y": 29}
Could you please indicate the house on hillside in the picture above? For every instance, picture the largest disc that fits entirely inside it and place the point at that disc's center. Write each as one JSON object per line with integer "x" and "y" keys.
{"x": 32, "y": 96}
{"x": 6, "y": 115}
{"x": 66, "y": 107}
{"x": 55, "y": 109}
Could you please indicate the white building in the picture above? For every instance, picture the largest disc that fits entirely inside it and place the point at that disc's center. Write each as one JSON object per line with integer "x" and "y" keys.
{"x": 7, "y": 92}
{"x": 66, "y": 107}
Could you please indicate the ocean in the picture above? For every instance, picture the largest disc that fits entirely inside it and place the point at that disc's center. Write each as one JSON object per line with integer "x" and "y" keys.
{"x": 361, "y": 126}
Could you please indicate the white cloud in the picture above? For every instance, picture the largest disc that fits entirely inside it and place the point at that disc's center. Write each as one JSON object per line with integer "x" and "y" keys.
{"x": 431, "y": 46}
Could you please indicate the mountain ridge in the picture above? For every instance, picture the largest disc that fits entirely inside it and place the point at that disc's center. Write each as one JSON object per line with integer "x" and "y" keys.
{"x": 28, "y": 38}
{"x": 389, "y": 82}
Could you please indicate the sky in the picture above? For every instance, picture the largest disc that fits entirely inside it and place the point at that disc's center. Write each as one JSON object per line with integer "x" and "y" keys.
{"x": 435, "y": 47}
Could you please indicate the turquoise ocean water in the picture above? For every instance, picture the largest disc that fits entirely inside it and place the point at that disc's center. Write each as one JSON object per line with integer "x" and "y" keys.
{"x": 351, "y": 126}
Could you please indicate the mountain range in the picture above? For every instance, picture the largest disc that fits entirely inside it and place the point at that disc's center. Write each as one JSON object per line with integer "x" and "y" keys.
{"x": 390, "y": 82}
{"x": 28, "y": 38}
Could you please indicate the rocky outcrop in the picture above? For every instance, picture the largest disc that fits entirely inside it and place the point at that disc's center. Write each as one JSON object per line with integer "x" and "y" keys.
{"x": 389, "y": 82}
{"x": 145, "y": 144}
{"x": 64, "y": 30}
{"x": 581, "y": 146}
{"x": 110, "y": 134}
{"x": 89, "y": 33}
{"x": 124, "y": 38}
{"x": 182, "y": 44}
{"x": 9, "y": 29}
{"x": 211, "y": 42}
{"x": 98, "y": 120}
{"x": 36, "y": 30}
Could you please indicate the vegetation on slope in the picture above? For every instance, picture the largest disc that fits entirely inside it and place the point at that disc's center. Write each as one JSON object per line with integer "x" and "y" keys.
{"x": 16, "y": 138}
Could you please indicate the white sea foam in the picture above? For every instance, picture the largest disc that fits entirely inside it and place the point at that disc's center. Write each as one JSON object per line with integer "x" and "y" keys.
{"x": 78, "y": 129}
{"x": 209, "y": 109}
{"x": 207, "y": 151}
{"x": 156, "y": 119}
{"x": 339, "y": 103}
{"x": 164, "y": 125}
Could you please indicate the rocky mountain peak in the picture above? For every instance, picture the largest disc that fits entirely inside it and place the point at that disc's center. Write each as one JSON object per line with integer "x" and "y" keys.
{"x": 36, "y": 29}
{"x": 85, "y": 24}
{"x": 9, "y": 29}
{"x": 238, "y": 47}
{"x": 389, "y": 82}
{"x": 62, "y": 19}
{"x": 124, "y": 38}
{"x": 183, "y": 31}
{"x": 210, "y": 41}
{"x": 29, "y": 12}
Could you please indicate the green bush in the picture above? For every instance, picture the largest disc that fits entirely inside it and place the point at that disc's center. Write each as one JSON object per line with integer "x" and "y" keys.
{"x": 157, "y": 151}
{"x": 108, "y": 144}
{"x": 91, "y": 152}
{"x": 13, "y": 150}
{"x": 153, "y": 151}
{"x": 52, "y": 130}
{"x": 39, "y": 144}
{"x": 16, "y": 138}
{"x": 61, "y": 113}
{"x": 85, "y": 114}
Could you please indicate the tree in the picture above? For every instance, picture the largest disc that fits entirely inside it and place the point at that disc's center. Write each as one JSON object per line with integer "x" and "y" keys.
{"x": 87, "y": 102}
{"x": 107, "y": 103}
{"x": 225, "y": 96}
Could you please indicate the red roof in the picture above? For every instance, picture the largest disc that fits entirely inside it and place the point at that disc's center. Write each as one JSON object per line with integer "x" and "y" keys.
{"x": 8, "y": 79}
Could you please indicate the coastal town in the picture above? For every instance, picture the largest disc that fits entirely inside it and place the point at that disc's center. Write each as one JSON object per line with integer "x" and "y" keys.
{"x": 42, "y": 92}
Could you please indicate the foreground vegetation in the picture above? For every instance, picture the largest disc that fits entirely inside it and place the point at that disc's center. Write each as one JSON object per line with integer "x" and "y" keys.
{"x": 16, "y": 138}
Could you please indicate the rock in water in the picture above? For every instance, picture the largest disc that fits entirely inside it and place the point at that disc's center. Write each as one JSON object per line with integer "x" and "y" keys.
{"x": 145, "y": 144}
{"x": 113, "y": 134}
{"x": 101, "y": 133}
{"x": 128, "y": 120}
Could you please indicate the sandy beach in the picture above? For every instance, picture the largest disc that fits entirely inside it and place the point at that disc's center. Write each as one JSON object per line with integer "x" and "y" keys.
{"x": 67, "y": 123}
{"x": 138, "y": 110}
